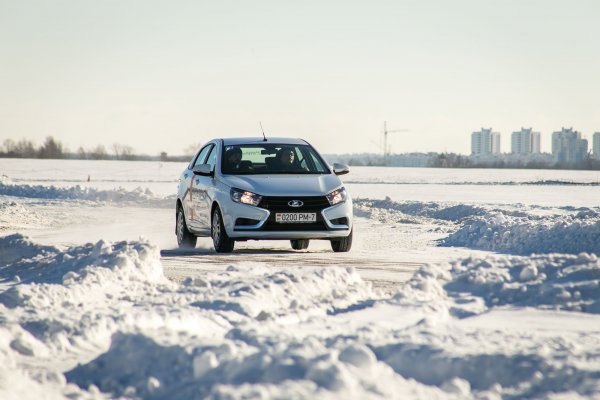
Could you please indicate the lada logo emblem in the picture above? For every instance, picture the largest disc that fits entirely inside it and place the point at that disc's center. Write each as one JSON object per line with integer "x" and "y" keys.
{"x": 295, "y": 203}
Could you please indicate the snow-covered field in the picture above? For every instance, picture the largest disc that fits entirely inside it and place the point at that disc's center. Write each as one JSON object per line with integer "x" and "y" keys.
{"x": 461, "y": 284}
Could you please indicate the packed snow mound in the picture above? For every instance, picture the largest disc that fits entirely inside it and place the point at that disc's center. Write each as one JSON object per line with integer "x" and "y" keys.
{"x": 263, "y": 293}
{"x": 107, "y": 307}
{"x": 24, "y": 261}
{"x": 14, "y": 214}
{"x": 100, "y": 320}
{"x": 502, "y": 365}
{"x": 139, "y": 196}
{"x": 497, "y": 231}
{"x": 246, "y": 365}
{"x": 474, "y": 285}
{"x": 445, "y": 212}
{"x": 17, "y": 247}
{"x": 518, "y": 230}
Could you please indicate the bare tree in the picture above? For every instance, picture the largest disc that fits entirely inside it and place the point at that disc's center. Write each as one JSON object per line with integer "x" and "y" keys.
{"x": 51, "y": 149}
{"x": 127, "y": 152}
{"x": 122, "y": 151}
{"x": 81, "y": 153}
{"x": 98, "y": 153}
{"x": 25, "y": 148}
{"x": 8, "y": 146}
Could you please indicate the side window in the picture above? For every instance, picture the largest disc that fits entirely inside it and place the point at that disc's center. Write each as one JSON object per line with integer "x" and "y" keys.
{"x": 212, "y": 158}
{"x": 318, "y": 164}
{"x": 202, "y": 156}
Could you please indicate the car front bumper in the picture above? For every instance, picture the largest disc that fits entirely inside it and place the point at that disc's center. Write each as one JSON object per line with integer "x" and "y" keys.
{"x": 234, "y": 211}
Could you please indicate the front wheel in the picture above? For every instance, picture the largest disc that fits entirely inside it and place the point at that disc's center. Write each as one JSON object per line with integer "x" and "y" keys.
{"x": 300, "y": 244}
{"x": 185, "y": 240}
{"x": 222, "y": 242}
{"x": 342, "y": 245}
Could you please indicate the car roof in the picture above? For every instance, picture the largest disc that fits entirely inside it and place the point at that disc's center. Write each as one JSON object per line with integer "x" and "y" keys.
{"x": 261, "y": 140}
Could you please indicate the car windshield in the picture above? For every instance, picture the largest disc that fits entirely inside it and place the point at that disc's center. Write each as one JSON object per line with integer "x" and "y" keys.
{"x": 269, "y": 158}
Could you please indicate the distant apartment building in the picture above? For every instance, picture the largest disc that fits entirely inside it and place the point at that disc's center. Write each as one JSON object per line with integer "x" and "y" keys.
{"x": 568, "y": 147}
{"x": 525, "y": 142}
{"x": 596, "y": 146}
{"x": 485, "y": 142}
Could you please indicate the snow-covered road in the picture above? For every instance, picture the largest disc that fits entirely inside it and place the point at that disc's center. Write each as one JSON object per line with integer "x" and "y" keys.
{"x": 445, "y": 294}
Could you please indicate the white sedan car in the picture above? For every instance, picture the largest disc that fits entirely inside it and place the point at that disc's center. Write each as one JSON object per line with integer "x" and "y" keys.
{"x": 257, "y": 188}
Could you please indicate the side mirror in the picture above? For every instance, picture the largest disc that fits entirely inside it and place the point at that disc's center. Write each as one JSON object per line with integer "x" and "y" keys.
{"x": 203, "y": 169}
{"x": 340, "y": 169}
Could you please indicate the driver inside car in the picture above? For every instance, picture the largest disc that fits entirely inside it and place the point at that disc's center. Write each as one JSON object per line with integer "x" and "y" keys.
{"x": 234, "y": 160}
{"x": 287, "y": 160}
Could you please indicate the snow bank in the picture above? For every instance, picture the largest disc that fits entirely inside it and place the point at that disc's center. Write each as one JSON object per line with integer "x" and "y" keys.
{"x": 246, "y": 365}
{"x": 263, "y": 293}
{"x": 419, "y": 209}
{"x": 102, "y": 316}
{"x": 564, "y": 282}
{"x": 498, "y": 231}
{"x": 139, "y": 196}
{"x": 100, "y": 320}
{"x": 502, "y": 355}
{"x": 518, "y": 230}
{"x": 14, "y": 214}
{"x": 475, "y": 285}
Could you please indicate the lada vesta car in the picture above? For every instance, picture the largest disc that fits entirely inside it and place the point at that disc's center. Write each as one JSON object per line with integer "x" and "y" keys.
{"x": 262, "y": 189}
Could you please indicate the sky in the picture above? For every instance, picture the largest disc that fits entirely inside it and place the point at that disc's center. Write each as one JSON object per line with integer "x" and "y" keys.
{"x": 163, "y": 75}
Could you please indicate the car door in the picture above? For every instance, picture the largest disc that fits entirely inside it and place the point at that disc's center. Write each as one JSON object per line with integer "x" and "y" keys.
{"x": 203, "y": 193}
{"x": 190, "y": 198}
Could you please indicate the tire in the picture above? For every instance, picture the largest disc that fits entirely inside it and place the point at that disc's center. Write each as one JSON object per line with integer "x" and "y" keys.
{"x": 300, "y": 244}
{"x": 221, "y": 241}
{"x": 185, "y": 239}
{"x": 342, "y": 245}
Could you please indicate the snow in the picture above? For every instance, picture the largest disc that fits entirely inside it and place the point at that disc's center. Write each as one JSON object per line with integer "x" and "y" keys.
{"x": 497, "y": 231}
{"x": 138, "y": 196}
{"x": 523, "y": 230}
{"x": 439, "y": 299}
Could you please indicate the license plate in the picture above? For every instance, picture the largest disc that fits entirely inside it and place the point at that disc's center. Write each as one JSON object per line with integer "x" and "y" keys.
{"x": 287, "y": 218}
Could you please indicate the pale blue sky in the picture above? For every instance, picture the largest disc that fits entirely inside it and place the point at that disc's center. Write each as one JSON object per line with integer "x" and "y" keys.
{"x": 160, "y": 75}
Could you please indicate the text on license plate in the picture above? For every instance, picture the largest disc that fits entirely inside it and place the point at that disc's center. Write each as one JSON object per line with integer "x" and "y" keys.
{"x": 295, "y": 217}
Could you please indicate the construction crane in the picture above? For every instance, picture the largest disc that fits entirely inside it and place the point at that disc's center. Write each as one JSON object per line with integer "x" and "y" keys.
{"x": 386, "y": 148}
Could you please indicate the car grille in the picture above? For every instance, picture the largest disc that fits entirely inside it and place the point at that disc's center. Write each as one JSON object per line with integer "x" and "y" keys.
{"x": 280, "y": 204}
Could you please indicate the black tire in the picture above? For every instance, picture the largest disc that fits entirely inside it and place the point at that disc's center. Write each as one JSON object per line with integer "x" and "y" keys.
{"x": 342, "y": 245}
{"x": 185, "y": 239}
{"x": 300, "y": 244}
{"x": 221, "y": 241}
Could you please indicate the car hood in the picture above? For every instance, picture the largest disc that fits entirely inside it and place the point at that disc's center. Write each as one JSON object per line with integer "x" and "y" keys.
{"x": 284, "y": 185}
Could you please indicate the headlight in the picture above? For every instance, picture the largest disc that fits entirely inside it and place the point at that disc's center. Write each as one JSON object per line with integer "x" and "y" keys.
{"x": 245, "y": 197}
{"x": 337, "y": 196}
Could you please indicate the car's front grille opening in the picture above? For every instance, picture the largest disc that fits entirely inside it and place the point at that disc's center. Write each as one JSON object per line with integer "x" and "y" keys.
{"x": 312, "y": 203}
{"x": 340, "y": 221}
{"x": 303, "y": 204}
{"x": 246, "y": 222}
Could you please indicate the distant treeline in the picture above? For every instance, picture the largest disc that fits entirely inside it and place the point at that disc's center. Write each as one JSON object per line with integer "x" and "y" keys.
{"x": 453, "y": 160}
{"x": 54, "y": 149}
